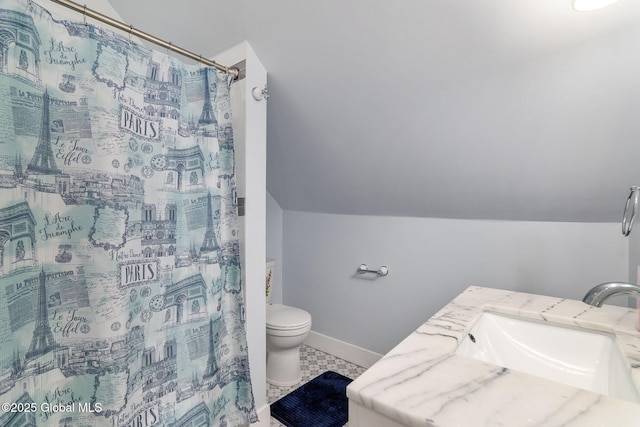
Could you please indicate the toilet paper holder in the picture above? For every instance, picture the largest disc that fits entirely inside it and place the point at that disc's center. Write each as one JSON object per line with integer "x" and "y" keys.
{"x": 382, "y": 271}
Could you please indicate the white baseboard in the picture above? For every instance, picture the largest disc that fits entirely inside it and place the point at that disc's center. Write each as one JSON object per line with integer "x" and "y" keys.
{"x": 343, "y": 350}
{"x": 264, "y": 417}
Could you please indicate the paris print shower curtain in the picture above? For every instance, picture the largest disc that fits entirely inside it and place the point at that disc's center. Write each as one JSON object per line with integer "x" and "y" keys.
{"x": 120, "y": 290}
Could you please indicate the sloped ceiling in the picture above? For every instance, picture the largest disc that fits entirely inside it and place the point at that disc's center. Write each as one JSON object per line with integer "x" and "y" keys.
{"x": 481, "y": 109}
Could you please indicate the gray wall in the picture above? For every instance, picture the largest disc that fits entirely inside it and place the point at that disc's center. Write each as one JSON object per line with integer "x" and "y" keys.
{"x": 634, "y": 256}
{"x": 430, "y": 262}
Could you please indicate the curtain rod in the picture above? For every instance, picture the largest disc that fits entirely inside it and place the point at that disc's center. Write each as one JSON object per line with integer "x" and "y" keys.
{"x": 234, "y": 72}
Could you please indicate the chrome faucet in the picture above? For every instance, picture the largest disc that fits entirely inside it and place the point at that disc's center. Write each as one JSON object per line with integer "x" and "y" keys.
{"x": 598, "y": 294}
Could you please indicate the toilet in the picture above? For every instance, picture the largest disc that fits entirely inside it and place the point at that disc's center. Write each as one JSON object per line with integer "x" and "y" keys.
{"x": 287, "y": 328}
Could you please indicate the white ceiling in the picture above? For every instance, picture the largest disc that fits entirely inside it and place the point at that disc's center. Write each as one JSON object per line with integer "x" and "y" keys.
{"x": 482, "y": 109}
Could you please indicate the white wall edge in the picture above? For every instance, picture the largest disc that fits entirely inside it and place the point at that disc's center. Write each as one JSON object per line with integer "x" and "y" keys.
{"x": 349, "y": 352}
{"x": 264, "y": 417}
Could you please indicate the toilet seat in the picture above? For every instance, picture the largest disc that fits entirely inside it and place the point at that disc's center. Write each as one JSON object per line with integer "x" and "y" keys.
{"x": 287, "y": 328}
{"x": 284, "y": 318}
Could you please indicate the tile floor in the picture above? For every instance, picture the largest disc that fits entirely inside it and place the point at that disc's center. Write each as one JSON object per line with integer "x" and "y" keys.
{"x": 312, "y": 363}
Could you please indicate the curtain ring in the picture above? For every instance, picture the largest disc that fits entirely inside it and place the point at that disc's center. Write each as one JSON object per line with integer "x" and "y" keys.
{"x": 130, "y": 31}
{"x": 628, "y": 217}
{"x": 84, "y": 14}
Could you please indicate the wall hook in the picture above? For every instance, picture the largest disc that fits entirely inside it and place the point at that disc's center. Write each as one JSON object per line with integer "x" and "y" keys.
{"x": 260, "y": 94}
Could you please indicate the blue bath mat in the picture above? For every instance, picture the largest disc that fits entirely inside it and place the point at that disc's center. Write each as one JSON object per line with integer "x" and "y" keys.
{"x": 322, "y": 402}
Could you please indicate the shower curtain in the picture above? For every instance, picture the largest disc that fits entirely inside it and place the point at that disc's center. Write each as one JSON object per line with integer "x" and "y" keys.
{"x": 121, "y": 301}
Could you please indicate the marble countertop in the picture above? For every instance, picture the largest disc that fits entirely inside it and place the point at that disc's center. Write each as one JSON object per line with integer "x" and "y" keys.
{"x": 421, "y": 382}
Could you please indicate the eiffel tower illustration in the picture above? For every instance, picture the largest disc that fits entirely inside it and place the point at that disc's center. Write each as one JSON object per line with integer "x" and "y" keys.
{"x": 207, "y": 117}
{"x": 17, "y": 169}
{"x": 43, "y": 161}
{"x": 212, "y": 364}
{"x": 42, "y": 341}
{"x": 210, "y": 243}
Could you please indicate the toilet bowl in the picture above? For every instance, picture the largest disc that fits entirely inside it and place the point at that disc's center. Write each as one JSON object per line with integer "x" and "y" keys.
{"x": 287, "y": 328}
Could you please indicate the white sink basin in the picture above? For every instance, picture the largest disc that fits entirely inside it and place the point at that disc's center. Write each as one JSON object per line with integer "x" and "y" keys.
{"x": 580, "y": 358}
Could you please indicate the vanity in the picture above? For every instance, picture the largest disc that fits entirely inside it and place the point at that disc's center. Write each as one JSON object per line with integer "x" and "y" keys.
{"x": 442, "y": 376}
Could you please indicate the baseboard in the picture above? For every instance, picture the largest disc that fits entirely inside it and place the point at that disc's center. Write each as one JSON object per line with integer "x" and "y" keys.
{"x": 264, "y": 417}
{"x": 343, "y": 350}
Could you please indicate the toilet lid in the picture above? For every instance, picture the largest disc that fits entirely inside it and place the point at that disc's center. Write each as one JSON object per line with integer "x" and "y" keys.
{"x": 284, "y": 317}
